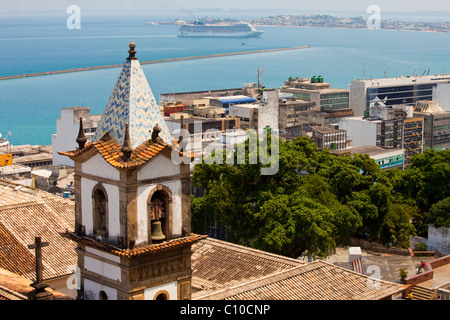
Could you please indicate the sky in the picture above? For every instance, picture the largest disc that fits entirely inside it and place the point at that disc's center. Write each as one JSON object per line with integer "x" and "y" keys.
{"x": 277, "y": 7}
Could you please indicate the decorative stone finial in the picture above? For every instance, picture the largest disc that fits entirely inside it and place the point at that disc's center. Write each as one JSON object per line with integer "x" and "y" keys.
{"x": 81, "y": 139}
{"x": 155, "y": 134}
{"x": 132, "y": 52}
{"x": 126, "y": 148}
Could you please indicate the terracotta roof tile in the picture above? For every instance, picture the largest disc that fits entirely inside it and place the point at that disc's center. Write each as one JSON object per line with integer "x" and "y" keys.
{"x": 317, "y": 280}
{"x": 111, "y": 151}
{"x": 138, "y": 251}
{"x": 217, "y": 264}
{"x": 30, "y": 213}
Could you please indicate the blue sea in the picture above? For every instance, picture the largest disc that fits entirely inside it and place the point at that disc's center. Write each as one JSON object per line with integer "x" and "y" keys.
{"x": 30, "y": 106}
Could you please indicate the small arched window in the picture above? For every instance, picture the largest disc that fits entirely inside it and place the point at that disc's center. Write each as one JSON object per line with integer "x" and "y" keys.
{"x": 100, "y": 211}
{"x": 102, "y": 295}
{"x": 161, "y": 295}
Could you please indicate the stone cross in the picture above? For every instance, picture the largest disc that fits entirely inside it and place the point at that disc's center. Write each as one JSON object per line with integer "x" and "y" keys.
{"x": 39, "y": 286}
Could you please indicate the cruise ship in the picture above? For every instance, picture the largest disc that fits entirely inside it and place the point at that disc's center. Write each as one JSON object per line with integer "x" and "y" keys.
{"x": 198, "y": 29}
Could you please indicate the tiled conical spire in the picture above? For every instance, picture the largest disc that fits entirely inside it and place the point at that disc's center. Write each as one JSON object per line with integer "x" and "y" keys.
{"x": 132, "y": 102}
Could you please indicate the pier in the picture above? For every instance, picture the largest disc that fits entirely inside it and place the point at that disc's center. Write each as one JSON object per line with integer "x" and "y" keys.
{"x": 150, "y": 62}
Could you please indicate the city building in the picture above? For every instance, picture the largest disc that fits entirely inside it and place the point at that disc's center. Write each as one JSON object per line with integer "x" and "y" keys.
{"x": 317, "y": 91}
{"x": 202, "y": 131}
{"x": 365, "y": 93}
{"x": 325, "y": 137}
{"x": 33, "y": 156}
{"x": 67, "y": 127}
{"x": 293, "y": 113}
{"x": 385, "y": 158}
{"x": 260, "y": 114}
{"x": 436, "y": 125}
{"x": 17, "y": 173}
{"x": 203, "y": 98}
{"x": 388, "y": 127}
{"x": 321, "y": 104}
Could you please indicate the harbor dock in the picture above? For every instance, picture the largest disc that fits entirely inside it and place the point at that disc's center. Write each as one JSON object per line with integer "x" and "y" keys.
{"x": 150, "y": 62}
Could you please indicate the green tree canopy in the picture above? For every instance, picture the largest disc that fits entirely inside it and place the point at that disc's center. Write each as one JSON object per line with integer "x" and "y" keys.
{"x": 313, "y": 202}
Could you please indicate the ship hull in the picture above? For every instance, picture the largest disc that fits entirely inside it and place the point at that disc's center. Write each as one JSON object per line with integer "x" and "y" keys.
{"x": 254, "y": 34}
{"x": 221, "y": 31}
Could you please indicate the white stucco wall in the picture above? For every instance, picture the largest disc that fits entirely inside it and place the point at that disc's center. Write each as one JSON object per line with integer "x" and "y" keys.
{"x": 441, "y": 94}
{"x": 98, "y": 166}
{"x": 171, "y": 288}
{"x": 357, "y": 97}
{"x": 160, "y": 166}
{"x": 355, "y": 126}
{"x": 102, "y": 267}
{"x": 92, "y": 290}
{"x": 65, "y": 137}
{"x": 268, "y": 112}
{"x": 142, "y": 198}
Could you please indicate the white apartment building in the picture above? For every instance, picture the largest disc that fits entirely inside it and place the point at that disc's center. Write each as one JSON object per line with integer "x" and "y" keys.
{"x": 365, "y": 93}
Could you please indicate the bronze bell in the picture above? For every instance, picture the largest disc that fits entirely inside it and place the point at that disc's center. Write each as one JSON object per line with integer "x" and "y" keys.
{"x": 157, "y": 231}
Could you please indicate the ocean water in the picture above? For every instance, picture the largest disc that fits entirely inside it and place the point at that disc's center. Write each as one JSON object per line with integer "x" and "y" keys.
{"x": 30, "y": 106}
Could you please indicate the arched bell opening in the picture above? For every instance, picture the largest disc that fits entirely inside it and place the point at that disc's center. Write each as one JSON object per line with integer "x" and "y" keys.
{"x": 100, "y": 211}
{"x": 160, "y": 214}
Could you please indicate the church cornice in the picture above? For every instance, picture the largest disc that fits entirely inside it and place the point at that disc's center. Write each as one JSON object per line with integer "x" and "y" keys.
{"x": 137, "y": 251}
{"x": 113, "y": 154}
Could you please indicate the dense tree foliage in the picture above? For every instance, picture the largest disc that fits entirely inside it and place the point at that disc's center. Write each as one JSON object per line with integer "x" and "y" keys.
{"x": 316, "y": 200}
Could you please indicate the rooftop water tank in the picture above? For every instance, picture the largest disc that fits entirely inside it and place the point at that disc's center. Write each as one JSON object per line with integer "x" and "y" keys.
{"x": 314, "y": 79}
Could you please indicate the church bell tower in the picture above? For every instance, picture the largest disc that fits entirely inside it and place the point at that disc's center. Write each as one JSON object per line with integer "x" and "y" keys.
{"x": 132, "y": 202}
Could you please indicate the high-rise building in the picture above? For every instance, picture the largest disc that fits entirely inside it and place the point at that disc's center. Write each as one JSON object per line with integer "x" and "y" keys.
{"x": 387, "y": 127}
{"x": 318, "y": 91}
{"x": 436, "y": 125}
{"x": 365, "y": 93}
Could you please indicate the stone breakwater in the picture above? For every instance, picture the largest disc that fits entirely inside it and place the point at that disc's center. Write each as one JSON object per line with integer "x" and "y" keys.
{"x": 149, "y": 62}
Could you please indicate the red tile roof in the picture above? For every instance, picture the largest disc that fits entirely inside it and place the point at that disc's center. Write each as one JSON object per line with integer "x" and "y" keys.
{"x": 26, "y": 213}
{"x": 217, "y": 264}
{"x": 138, "y": 251}
{"x": 111, "y": 151}
{"x": 317, "y": 280}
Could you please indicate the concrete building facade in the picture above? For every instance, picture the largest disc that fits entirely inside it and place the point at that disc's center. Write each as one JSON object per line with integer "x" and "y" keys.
{"x": 365, "y": 93}
{"x": 387, "y": 127}
{"x": 436, "y": 125}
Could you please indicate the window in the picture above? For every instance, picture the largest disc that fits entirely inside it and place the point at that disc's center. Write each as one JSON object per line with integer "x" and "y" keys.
{"x": 100, "y": 211}
{"x": 161, "y": 295}
{"x": 102, "y": 295}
